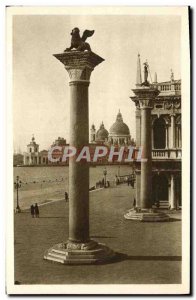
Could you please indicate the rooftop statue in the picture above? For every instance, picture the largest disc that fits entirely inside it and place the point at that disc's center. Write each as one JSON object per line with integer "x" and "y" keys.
{"x": 78, "y": 42}
{"x": 145, "y": 83}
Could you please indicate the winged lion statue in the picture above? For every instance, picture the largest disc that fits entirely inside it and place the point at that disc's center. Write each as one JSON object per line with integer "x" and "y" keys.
{"x": 78, "y": 42}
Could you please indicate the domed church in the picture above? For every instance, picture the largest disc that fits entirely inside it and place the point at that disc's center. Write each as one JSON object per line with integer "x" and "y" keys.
{"x": 119, "y": 133}
{"x": 101, "y": 136}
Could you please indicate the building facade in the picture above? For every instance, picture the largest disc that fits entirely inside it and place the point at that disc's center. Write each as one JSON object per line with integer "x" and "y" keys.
{"x": 35, "y": 157}
{"x": 166, "y": 142}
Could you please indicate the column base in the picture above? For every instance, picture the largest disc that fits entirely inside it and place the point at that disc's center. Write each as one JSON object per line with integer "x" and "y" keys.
{"x": 79, "y": 253}
{"x": 146, "y": 215}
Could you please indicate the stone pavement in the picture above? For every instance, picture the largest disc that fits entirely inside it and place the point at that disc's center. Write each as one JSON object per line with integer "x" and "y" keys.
{"x": 153, "y": 250}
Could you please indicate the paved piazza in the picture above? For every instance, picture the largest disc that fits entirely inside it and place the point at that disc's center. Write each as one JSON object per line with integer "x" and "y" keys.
{"x": 148, "y": 252}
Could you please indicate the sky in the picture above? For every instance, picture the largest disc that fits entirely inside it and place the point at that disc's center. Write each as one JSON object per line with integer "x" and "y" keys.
{"x": 41, "y": 98}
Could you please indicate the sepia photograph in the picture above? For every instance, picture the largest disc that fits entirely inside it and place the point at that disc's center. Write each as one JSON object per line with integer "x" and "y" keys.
{"x": 98, "y": 137}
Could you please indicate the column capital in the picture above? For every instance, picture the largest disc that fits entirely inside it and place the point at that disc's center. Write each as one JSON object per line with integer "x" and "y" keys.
{"x": 145, "y": 96}
{"x": 79, "y": 64}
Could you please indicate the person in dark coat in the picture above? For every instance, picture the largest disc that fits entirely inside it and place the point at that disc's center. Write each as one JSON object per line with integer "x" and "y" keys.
{"x": 32, "y": 209}
{"x": 66, "y": 197}
{"x": 36, "y": 211}
{"x": 134, "y": 203}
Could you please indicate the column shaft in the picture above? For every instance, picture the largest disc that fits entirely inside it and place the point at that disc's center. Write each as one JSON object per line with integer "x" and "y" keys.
{"x": 173, "y": 196}
{"x": 166, "y": 137}
{"x": 146, "y": 166}
{"x": 79, "y": 171}
{"x": 138, "y": 128}
{"x": 173, "y": 137}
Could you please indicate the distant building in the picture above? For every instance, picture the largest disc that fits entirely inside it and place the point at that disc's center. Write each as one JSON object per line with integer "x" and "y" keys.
{"x": 119, "y": 134}
{"x": 35, "y": 157}
{"x": 31, "y": 157}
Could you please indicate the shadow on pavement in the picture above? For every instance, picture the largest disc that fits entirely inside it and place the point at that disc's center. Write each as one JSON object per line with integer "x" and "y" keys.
{"x": 102, "y": 237}
{"x": 153, "y": 258}
{"x": 119, "y": 257}
{"x": 49, "y": 217}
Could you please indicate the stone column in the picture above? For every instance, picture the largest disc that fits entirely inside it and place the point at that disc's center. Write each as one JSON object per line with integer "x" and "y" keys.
{"x": 138, "y": 127}
{"x": 79, "y": 66}
{"x": 145, "y": 94}
{"x": 152, "y": 136}
{"x": 146, "y": 163}
{"x": 166, "y": 137}
{"x": 173, "y": 194}
{"x": 173, "y": 135}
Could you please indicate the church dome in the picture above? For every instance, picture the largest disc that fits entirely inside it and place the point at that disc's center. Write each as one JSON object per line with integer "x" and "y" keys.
{"x": 102, "y": 133}
{"x": 119, "y": 127}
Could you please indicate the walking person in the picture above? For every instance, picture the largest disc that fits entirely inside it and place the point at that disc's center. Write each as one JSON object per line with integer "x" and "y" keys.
{"x": 66, "y": 197}
{"x": 36, "y": 211}
{"x": 32, "y": 210}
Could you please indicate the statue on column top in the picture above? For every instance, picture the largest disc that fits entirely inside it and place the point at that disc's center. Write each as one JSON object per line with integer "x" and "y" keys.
{"x": 78, "y": 42}
{"x": 145, "y": 83}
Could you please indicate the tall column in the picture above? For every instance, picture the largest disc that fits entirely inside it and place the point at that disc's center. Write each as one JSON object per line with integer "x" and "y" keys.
{"x": 145, "y": 96}
{"x": 79, "y": 171}
{"x": 79, "y": 248}
{"x": 79, "y": 66}
{"x": 146, "y": 163}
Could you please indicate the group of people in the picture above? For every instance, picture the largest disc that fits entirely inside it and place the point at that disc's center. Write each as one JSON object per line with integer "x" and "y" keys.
{"x": 34, "y": 211}
{"x": 123, "y": 179}
{"x": 102, "y": 183}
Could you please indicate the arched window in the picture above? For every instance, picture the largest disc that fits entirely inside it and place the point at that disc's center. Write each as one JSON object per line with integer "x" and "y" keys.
{"x": 159, "y": 133}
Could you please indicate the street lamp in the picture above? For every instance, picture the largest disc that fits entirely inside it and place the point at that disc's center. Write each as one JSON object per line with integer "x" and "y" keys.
{"x": 105, "y": 173}
{"x": 17, "y": 186}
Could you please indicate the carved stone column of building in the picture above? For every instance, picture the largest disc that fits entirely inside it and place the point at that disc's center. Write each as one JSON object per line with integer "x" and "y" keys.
{"x": 79, "y": 248}
{"x": 152, "y": 136}
{"x": 146, "y": 163}
{"x": 138, "y": 126}
{"x": 173, "y": 193}
{"x": 166, "y": 137}
{"x": 145, "y": 96}
{"x": 173, "y": 131}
